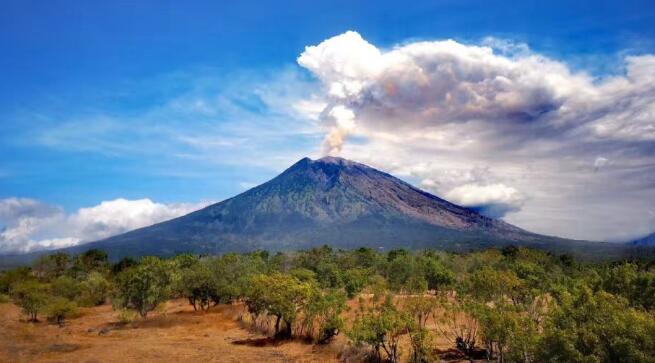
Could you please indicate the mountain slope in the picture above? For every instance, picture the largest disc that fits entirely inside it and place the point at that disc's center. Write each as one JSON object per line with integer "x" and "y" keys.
{"x": 328, "y": 201}
{"x": 336, "y": 202}
{"x": 646, "y": 241}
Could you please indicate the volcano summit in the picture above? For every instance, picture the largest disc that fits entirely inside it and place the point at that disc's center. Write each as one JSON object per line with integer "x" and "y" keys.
{"x": 336, "y": 202}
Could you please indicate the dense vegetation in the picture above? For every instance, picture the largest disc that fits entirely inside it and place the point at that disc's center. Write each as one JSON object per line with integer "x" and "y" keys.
{"x": 510, "y": 305}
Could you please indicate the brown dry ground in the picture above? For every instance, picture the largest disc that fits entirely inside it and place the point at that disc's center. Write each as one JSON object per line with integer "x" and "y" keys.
{"x": 173, "y": 334}
{"x": 178, "y": 334}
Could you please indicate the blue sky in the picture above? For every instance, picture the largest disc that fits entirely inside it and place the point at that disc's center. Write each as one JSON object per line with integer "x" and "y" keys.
{"x": 182, "y": 102}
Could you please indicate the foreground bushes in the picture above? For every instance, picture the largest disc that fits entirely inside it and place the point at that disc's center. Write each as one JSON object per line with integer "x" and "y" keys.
{"x": 510, "y": 305}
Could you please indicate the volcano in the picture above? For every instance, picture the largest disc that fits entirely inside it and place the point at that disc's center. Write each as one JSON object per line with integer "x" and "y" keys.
{"x": 336, "y": 202}
{"x": 330, "y": 201}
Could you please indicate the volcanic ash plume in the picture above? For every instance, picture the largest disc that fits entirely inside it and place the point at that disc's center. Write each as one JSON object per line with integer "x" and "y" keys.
{"x": 342, "y": 120}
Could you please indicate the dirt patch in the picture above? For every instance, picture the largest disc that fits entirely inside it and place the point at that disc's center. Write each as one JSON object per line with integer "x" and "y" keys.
{"x": 175, "y": 334}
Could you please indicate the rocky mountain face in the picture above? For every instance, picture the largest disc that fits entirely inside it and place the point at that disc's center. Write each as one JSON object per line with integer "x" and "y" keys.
{"x": 336, "y": 202}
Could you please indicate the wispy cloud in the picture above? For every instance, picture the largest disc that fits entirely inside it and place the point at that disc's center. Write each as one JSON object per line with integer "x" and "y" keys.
{"x": 243, "y": 116}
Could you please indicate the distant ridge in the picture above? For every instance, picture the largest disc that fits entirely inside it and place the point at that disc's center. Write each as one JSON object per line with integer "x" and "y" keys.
{"x": 337, "y": 202}
{"x": 645, "y": 241}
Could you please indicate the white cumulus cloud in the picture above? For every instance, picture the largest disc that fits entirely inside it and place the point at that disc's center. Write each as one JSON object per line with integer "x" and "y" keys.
{"x": 32, "y": 225}
{"x": 493, "y": 200}
{"x": 471, "y": 117}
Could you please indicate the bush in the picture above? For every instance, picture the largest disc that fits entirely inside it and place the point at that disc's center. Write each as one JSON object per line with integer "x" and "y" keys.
{"x": 303, "y": 274}
{"x": 94, "y": 289}
{"x": 4, "y": 299}
{"x": 123, "y": 264}
{"x": 600, "y": 327}
{"x": 354, "y": 281}
{"x": 325, "y": 308}
{"x": 31, "y": 297}
{"x": 143, "y": 287}
{"x": 11, "y": 277}
{"x": 197, "y": 285}
{"x": 279, "y": 295}
{"x": 91, "y": 260}
{"x": 381, "y": 328}
{"x": 126, "y": 316}
{"x": 59, "y": 308}
{"x": 52, "y": 266}
{"x": 65, "y": 286}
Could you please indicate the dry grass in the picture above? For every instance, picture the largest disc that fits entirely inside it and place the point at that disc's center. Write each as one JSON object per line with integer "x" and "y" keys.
{"x": 174, "y": 333}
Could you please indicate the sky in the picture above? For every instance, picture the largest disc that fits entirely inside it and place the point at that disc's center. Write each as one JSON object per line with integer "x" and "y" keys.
{"x": 117, "y": 115}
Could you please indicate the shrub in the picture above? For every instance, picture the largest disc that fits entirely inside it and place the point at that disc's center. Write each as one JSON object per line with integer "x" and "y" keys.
{"x": 126, "y": 316}
{"x": 354, "y": 280}
{"x": 325, "y": 308}
{"x": 91, "y": 260}
{"x": 232, "y": 273}
{"x": 597, "y": 326}
{"x": 123, "y": 264}
{"x": 59, "y": 308}
{"x": 11, "y": 277}
{"x": 381, "y": 328}
{"x": 51, "y": 266}
{"x": 303, "y": 274}
{"x": 31, "y": 297}
{"x": 197, "y": 285}
{"x": 65, "y": 286}
{"x": 4, "y": 299}
{"x": 94, "y": 289}
{"x": 143, "y": 287}
{"x": 280, "y": 295}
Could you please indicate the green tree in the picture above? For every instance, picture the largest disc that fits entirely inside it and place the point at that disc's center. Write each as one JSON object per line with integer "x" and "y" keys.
{"x": 632, "y": 282}
{"x": 279, "y": 295}
{"x": 95, "y": 289}
{"x": 401, "y": 267}
{"x": 420, "y": 307}
{"x": 123, "y": 264}
{"x": 197, "y": 285}
{"x": 232, "y": 273}
{"x": 66, "y": 287}
{"x": 31, "y": 296}
{"x": 416, "y": 284}
{"x": 91, "y": 260}
{"x": 355, "y": 279}
{"x": 457, "y": 324}
{"x": 597, "y": 327}
{"x": 11, "y": 277}
{"x": 144, "y": 286}
{"x": 505, "y": 328}
{"x": 438, "y": 277}
{"x": 369, "y": 259}
{"x": 329, "y": 275}
{"x": 488, "y": 284}
{"x": 51, "y": 266}
{"x": 381, "y": 327}
{"x": 325, "y": 308}
{"x": 303, "y": 274}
